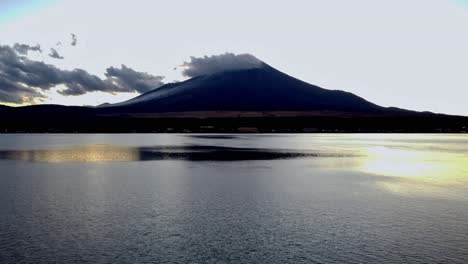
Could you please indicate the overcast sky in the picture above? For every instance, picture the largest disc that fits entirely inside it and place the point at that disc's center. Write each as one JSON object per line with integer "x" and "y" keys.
{"x": 406, "y": 53}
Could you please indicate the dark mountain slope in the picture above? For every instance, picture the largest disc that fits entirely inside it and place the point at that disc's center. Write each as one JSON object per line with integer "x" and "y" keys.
{"x": 259, "y": 89}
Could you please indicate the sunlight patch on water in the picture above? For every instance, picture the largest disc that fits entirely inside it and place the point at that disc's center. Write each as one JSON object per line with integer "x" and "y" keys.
{"x": 416, "y": 171}
{"x": 86, "y": 153}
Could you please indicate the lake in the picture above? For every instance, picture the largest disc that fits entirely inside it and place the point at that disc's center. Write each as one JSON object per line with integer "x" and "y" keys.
{"x": 241, "y": 198}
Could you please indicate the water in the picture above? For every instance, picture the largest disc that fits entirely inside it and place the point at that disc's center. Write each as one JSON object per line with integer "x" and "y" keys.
{"x": 233, "y": 198}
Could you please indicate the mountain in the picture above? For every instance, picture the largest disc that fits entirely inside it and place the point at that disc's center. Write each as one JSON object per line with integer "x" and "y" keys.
{"x": 259, "y": 99}
{"x": 258, "y": 89}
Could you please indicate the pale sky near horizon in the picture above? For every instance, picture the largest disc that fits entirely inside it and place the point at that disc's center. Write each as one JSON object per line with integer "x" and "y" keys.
{"x": 411, "y": 54}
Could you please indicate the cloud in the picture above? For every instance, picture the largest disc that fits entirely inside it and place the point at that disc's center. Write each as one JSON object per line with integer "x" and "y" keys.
{"x": 131, "y": 79}
{"x": 24, "y": 81}
{"x": 11, "y": 92}
{"x": 24, "y": 49}
{"x": 217, "y": 63}
{"x": 74, "y": 39}
{"x": 54, "y": 54}
{"x": 117, "y": 80}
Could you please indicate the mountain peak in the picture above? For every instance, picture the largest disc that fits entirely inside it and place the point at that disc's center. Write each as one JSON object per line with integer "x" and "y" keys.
{"x": 249, "y": 86}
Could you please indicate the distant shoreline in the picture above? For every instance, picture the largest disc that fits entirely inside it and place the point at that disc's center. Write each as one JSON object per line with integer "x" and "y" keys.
{"x": 237, "y": 125}
{"x": 61, "y": 119}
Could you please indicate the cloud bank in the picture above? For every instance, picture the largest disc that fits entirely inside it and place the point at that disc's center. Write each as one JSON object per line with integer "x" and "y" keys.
{"x": 23, "y": 80}
{"x": 118, "y": 80}
{"x": 218, "y": 63}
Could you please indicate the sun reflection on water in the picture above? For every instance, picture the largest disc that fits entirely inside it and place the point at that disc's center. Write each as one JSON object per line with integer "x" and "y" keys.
{"x": 87, "y": 153}
{"x": 415, "y": 170}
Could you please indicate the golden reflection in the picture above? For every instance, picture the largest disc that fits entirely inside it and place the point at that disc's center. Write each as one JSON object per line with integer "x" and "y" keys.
{"x": 427, "y": 171}
{"x": 89, "y": 153}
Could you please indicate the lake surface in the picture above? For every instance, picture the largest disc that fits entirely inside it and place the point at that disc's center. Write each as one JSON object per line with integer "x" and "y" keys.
{"x": 169, "y": 198}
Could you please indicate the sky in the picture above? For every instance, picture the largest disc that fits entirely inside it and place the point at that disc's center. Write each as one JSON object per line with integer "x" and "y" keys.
{"x": 411, "y": 54}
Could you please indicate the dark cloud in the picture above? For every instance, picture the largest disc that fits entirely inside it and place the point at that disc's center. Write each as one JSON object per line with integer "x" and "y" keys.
{"x": 24, "y": 49}
{"x": 218, "y": 63}
{"x": 17, "y": 93}
{"x": 23, "y": 80}
{"x": 74, "y": 40}
{"x": 54, "y": 54}
{"x": 131, "y": 79}
{"x": 117, "y": 80}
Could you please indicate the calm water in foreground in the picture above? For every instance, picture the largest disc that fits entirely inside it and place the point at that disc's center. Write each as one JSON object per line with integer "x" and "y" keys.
{"x": 142, "y": 198}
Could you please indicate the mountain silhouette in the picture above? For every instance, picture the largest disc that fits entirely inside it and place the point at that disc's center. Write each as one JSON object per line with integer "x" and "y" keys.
{"x": 258, "y": 89}
{"x": 260, "y": 99}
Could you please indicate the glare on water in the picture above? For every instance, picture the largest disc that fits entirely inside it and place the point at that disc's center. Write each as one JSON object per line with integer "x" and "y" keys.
{"x": 416, "y": 170}
{"x": 86, "y": 153}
